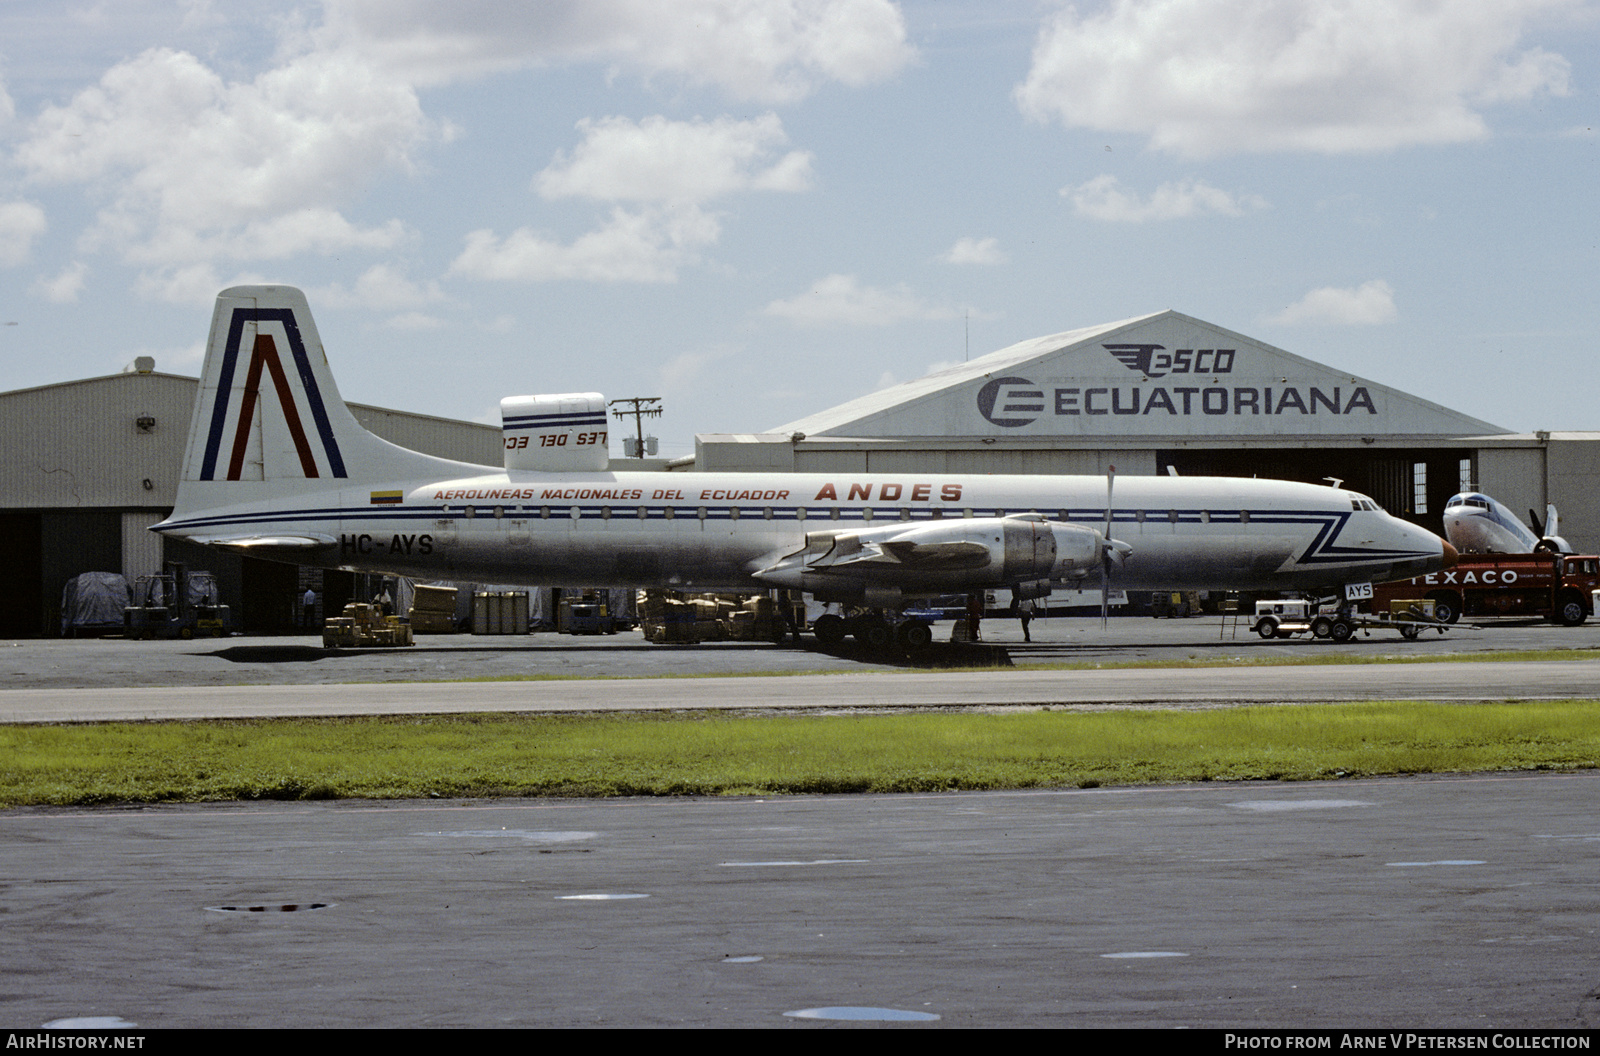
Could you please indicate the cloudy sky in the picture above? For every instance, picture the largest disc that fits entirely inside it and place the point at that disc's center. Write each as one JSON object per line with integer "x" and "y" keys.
{"x": 757, "y": 209}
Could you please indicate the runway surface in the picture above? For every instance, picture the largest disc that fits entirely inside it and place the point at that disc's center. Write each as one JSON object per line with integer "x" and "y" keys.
{"x": 1150, "y": 687}
{"x": 76, "y": 681}
{"x": 1468, "y": 902}
{"x": 1402, "y": 903}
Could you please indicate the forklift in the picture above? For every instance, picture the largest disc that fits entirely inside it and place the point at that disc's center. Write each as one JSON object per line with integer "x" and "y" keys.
{"x": 164, "y": 606}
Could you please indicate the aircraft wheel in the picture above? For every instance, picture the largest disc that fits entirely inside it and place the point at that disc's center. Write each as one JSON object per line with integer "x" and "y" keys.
{"x": 914, "y": 636}
{"x": 1267, "y": 628}
{"x": 829, "y": 629}
{"x": 1409, "y": 630}
{"x": 875, "y": 634}
{"x": 1341, "y": 630}
{"x": 1446, "y": 606}
{"x": 1321, "y": 627}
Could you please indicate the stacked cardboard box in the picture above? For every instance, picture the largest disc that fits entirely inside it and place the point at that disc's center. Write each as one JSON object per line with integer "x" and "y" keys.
{"x": 669, "y": 616}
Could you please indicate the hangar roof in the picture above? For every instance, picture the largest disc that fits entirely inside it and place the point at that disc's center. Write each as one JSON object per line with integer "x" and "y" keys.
{"x": 1160, "y": 375}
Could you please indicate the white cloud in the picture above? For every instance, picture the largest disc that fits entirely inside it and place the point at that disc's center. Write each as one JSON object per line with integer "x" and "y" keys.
{"x": 984, "y": 251}
{"x": 839, "y": 300}
{"x": 1103, "y": 198}
{"x": 765, "y": 50}
{"x": 20, "y": 224}
{"x": 683, "y": 371}
{"x": 196, "y": 168}
{"x": 657, "y": 160}
{"x": 381, "y": 288}
{"x": 64, "y": 288}
{"x": 1209, "y": 77}
{"x": 1369, "y": 304}
{"x": 667, "y": 170}
{"x": 414, "y": 321}
{"x": 645, "y": 246}
{"x": 192, "y": 283}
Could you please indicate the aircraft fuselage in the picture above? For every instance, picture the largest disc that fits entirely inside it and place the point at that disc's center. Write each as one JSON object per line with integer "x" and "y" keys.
{"x": 716, "y": 530}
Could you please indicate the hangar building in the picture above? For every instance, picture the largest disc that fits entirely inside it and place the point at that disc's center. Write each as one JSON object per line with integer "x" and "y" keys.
{"x": 90, "y": 465}
{"x": 1170, "y": 393}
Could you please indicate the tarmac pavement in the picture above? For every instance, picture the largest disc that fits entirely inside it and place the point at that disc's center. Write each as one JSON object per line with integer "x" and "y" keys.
{"x": 1468, "y": 902}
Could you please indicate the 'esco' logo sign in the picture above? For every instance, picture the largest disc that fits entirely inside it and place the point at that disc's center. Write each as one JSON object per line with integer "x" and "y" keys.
{"x": 1004, "y": 401}
{"x": 1154, "y": 361}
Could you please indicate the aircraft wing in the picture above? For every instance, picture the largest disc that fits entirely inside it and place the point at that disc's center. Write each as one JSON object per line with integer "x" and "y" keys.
{"x": 958, "y": 554}
{"x": 943, "y": 555}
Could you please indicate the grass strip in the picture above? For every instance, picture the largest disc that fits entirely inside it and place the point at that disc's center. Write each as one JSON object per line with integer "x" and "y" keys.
{"x": 717, "y": 754}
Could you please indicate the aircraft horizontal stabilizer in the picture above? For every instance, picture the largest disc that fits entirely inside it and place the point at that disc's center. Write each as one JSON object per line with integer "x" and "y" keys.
{"x": 257, "y": 544}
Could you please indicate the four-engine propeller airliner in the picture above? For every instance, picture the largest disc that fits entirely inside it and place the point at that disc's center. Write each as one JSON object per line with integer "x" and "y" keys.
{"x": 278, "y": 468}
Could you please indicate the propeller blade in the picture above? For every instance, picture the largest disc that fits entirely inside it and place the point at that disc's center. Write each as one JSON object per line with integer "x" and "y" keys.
{"x": 1105, "y": 557}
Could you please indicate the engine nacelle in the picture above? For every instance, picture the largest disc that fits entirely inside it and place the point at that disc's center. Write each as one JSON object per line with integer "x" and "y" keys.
{"x": 952, "y": 555}
{"x": 565, "y": 432}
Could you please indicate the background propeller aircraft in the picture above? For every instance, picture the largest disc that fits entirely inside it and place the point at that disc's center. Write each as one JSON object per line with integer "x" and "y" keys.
{"x": 1476, "y": 523}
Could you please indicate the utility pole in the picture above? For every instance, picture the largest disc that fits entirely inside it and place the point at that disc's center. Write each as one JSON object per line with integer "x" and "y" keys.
{"x": 640, "y": 410}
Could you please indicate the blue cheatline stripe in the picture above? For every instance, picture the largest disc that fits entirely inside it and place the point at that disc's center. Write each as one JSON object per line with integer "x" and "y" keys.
{"x": 568, "y": 422}
{"x": 557, "y": 416}
{"x": 230, "y": 360}
{"x": 1318, "y": 552}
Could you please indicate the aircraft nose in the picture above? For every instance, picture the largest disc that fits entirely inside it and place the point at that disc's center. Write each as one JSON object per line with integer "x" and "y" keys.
{"x": 1450, "y": 556}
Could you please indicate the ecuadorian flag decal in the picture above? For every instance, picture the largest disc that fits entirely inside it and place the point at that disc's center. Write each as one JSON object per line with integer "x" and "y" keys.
{"x": 388, "y": 498}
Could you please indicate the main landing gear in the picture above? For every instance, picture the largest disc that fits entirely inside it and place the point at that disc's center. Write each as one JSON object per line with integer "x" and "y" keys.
{"x": 877, "y": 632}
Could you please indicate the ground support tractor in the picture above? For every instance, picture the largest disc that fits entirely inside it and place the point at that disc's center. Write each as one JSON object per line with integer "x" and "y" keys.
{"x": 1284, "y": 618}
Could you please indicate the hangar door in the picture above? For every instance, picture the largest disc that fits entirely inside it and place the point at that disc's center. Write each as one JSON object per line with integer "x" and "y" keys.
{"x": 1411, "y": 484}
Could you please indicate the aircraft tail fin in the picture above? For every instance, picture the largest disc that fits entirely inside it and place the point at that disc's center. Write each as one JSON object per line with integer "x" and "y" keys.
{"x": 269, "y": 420}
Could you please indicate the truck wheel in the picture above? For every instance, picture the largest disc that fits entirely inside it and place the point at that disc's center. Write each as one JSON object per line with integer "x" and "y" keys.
{"x": 1570, "y": 609}
{"x": 1341, "y": 630}
{"x": 1321, "y": 627}
{"x": 1267, "y": 627}
{"x": 1446, "y": 606}
{"x": 829, "y": 629}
